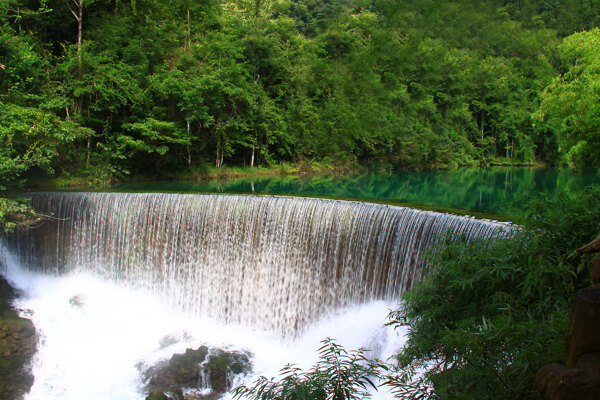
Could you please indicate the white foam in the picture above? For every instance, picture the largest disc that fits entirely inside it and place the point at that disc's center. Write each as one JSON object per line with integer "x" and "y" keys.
{"x": 92, "y": 334}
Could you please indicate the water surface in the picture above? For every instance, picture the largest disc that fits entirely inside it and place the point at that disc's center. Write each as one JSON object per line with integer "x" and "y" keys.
{"x": 495, "y": 190}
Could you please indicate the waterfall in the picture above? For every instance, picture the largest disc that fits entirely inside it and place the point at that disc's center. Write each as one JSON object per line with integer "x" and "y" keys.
{"x": 274, "y": 263}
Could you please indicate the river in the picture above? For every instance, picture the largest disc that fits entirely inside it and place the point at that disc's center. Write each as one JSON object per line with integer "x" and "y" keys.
{"x": 494, "y": 190}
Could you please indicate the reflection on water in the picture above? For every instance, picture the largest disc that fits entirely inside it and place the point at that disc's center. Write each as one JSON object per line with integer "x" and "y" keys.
{"x": 499, "y": 190}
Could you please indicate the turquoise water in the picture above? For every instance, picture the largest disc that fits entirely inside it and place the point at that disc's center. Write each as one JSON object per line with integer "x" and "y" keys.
{"x": 496, "y": 190}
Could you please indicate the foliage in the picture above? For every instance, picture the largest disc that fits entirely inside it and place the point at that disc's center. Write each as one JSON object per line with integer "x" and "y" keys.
{"x": 29, "y": 139}
{"x": 574, "y": 97}
{"x": 106, "y": 89}
{"x": 490, "y": 313}
{"x": 180, "y": 85}
{"x": 338, "y": 375}
{"x": 16, "y": 214}
{"x": 30, "y": 136}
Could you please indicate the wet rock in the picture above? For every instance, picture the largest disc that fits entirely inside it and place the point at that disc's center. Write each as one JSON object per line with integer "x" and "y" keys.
{"x": 17, "y": 346}
{"x": 202, "y": 373}
{"x": 182, "y": 370}
{"x": 77, "y": 301}
{"x": 222, "y": 366}
{"x": 156, "y": 395}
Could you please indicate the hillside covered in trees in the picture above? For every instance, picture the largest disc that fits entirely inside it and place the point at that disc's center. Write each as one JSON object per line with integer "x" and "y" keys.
{"x": 111, "y": 88}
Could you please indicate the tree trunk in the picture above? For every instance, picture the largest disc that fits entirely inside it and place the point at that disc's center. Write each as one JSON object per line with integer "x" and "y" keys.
{"x": 252, "y": 157}
{"x": 592, "y": 247}
{"x": 79, "y": 30}
{"x": 481, "y": 124}
{"x": 585, "y": 324}
{"x": 78, "y": 14}
{"x": 512, "y": 148}
{"x": 189, "y": 37}
{"x": 87, "y": 157}
{"x": 187, "y": 146}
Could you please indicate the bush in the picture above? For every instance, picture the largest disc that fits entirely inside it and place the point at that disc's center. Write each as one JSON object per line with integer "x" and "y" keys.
{"x": 490, "y": 313}
{"x": 338, "y": 375}
{"x": 16, "y": 214}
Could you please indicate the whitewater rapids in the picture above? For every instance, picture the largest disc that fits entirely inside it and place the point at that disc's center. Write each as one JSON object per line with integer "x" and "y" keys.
{"x": 92, "y": 334}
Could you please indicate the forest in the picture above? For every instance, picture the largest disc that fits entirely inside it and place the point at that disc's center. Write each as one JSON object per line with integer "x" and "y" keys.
{"x": 108, "y": 89}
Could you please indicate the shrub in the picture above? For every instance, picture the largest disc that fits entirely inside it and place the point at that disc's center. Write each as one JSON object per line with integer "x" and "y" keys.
{"x": 338, "y": 375}
{"x": 490, "y": 313}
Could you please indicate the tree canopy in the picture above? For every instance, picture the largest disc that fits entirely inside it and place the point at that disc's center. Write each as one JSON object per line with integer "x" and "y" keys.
{"x": 107, "y": 89}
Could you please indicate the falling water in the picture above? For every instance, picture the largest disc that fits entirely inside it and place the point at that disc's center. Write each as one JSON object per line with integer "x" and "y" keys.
{"x": 274, "y": 263}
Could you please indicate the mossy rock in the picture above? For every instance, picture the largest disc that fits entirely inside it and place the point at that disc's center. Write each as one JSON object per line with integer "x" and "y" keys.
{"x": 222, "y": 365}
{"x": 182, "y": 370}
{"x": 17, "y": 346}
{"x": 197, "y": 369}
{"x": 157, "y": 395}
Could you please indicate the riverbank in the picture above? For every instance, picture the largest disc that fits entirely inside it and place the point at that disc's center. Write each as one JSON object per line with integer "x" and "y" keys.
{"x": 211, "y": 173}
{"x": 206, "y": 173}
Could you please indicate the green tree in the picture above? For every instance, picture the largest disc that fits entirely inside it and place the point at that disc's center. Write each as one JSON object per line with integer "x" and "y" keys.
{"x": 29, "y": 139}
{"x": 573, "y": 98}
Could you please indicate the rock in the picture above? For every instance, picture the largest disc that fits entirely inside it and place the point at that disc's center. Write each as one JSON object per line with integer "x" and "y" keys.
{"x": 77, "y": 301}
{"x": 156, "y": 395}
{"x": 182, "y": 370}
{"x": 18, "y": 343}
{"x": 585, "y": 324}
{"x": 556, "y": 382}
{"x": 221, "y": 367}
{"x": 197, "y": 374}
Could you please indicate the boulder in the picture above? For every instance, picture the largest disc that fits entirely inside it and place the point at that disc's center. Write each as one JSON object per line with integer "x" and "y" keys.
{"x": 156, "y": 395}
{"x": 557, "y": 382}
{"x": 584, "y": 327}
{"x": 18, "y": 342}
{"x": 203, "y": 373}
{"x": 222, "y": 366}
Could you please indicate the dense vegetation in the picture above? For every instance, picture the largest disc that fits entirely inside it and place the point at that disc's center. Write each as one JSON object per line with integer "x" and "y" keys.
{"x": 485, "y": 319}
{"x": 491, "y": 313}
{"x": 107, "y": 88}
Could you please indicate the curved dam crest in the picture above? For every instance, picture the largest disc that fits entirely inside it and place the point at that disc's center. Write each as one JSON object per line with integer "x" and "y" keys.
{"x": 273, "y": 263}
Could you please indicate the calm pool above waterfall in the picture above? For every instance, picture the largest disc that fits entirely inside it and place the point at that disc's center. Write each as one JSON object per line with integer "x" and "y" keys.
{"x": 498, "y": 190}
